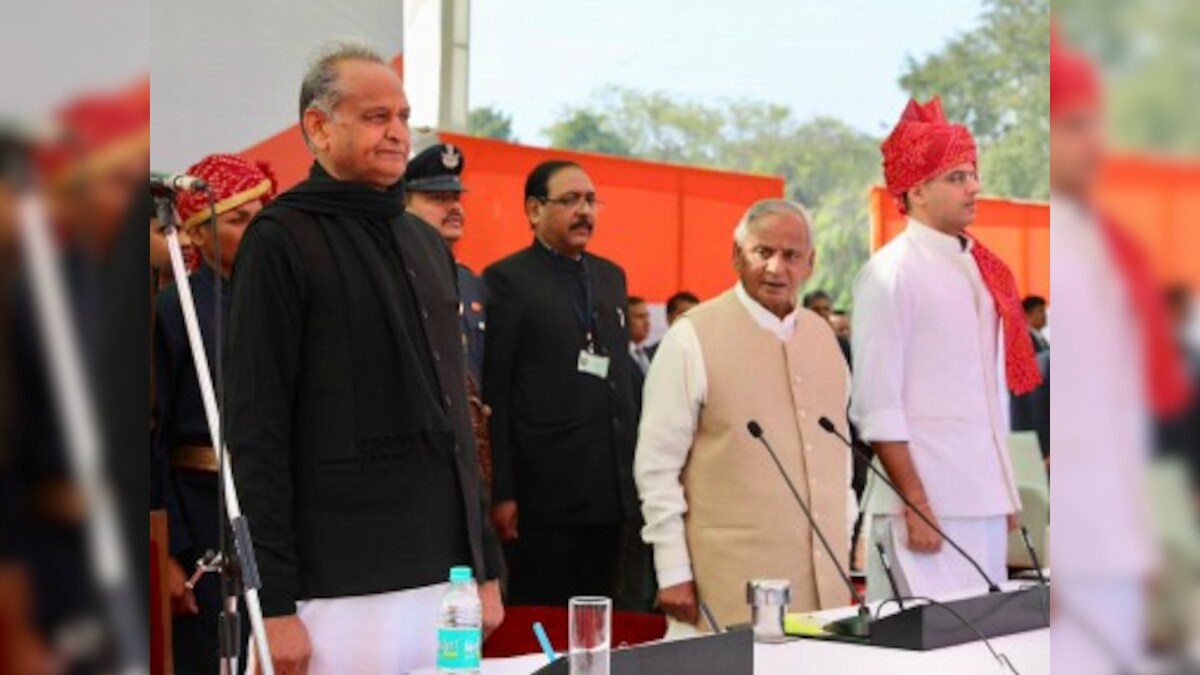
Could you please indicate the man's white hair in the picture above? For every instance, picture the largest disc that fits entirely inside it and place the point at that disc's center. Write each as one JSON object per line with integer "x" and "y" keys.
{"x": 320, "y": 88}
{"x": 763, "y": 207}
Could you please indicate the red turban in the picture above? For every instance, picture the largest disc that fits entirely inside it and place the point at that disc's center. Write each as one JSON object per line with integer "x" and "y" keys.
{"x": 100, "y": 131}
{"x": 234, "y": 180}
{"x": 923, "y": 145}
{"x": 1073, "y": 78}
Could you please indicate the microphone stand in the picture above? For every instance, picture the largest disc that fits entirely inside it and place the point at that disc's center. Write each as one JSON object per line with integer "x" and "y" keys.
{"x": 1041, "y": 574}
{"x": 237, "y": 564}
{"x": 828, "y": 426}
{"x": 855, "y": 626}
{"x": 891, "y": 576}
{"x": 76, "y": 406}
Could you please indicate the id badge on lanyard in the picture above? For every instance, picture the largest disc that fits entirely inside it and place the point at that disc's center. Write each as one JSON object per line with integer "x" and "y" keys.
{"x": 592, "y": 363}
{"x": 589, "y": 362}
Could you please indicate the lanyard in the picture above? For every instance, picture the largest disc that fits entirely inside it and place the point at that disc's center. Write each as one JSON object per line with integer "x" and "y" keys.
{"x": 586, "y": 315}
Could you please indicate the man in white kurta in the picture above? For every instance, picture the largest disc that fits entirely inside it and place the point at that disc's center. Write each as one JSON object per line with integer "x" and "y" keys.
{"x": 1118, "y": 363}
{"x": 927, "y": 344}
{"x": 717, "y": 512}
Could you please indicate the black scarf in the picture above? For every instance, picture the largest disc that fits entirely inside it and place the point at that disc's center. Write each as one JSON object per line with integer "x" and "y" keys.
{"x": 360, "y": 228}
{"x": 326, "y": 195}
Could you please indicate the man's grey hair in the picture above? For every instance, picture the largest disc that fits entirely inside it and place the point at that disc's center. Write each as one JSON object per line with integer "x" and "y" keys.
{"x": 763, "y": 207}
{"x": 320, "y": 88}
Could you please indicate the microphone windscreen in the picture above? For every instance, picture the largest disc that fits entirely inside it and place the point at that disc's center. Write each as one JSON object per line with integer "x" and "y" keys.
{"x": 754, "y": 429}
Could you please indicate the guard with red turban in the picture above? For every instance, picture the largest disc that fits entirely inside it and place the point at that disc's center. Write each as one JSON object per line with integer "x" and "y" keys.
{"x": 182, "y": 445}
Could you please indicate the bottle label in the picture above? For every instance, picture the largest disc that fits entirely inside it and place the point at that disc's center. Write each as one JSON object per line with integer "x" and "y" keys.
{"x": 459, "y": 647}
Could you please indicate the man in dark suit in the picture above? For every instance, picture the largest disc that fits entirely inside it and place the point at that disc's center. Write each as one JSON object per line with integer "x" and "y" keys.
{"x": 346, "y": 401}
{"x": 639, "y": 332}
{"x": 433, "y": 191}
{"x": 1035, "y": 314}
{"x": 557, "y": 377}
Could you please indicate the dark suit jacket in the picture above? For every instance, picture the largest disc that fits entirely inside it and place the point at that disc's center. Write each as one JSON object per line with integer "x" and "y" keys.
{"x": 1031, "y": 412}
{"x": 347, "y": 408}
{"x": 562, "y": 440}
{"x": 1040, "y": 344}
{"x": 472, "y": 294}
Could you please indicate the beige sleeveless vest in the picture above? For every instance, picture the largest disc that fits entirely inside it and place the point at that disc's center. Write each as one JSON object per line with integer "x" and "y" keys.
{"x": 742, "y": 522}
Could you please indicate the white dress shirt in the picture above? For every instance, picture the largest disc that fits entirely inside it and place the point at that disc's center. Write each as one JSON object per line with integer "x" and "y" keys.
{"x": 676, "y": 389}
{"x": 926, "y": 347}
{"x": 640, "y": 356}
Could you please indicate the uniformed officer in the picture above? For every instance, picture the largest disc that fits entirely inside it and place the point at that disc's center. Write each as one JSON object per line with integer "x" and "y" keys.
{"x": 433, "y": 192}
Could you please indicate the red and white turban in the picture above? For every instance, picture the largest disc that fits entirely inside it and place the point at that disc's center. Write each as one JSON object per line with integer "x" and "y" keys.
{"x": 1074, "y": 81}
{"x": 923, "y": 145}
{"x": 234, "y": 180}
{"x": 98, "y": 131}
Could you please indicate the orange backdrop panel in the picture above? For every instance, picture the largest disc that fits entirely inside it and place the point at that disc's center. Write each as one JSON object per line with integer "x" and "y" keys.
{"x": 1158, "y": 201}
{"x": 670, "y": 227}
{"x": 1019, "y": 232}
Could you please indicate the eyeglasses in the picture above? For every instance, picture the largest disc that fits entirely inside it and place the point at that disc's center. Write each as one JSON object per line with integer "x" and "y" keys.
{"x": 573, "y": 201}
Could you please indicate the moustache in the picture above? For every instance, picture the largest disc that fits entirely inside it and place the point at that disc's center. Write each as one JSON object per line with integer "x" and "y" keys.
{"x": 583, "y": 225}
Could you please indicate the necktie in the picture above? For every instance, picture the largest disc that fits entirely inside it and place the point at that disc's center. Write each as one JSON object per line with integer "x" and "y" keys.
{"x": 639, "y": 355}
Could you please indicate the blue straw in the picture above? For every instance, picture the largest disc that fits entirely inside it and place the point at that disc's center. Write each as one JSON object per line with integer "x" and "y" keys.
{"x": 544, "y": 641}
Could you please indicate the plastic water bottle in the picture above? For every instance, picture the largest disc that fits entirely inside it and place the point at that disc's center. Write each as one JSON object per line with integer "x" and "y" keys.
{"x": 460, "y": 626}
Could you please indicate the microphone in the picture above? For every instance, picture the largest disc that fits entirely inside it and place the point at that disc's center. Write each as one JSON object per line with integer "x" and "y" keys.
{"x": 175, "y": 182}
{"x": 855, "y": 626}
{"x": 828, "y": 426}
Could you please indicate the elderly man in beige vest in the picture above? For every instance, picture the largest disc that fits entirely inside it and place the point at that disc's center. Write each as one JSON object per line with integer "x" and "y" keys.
{"x": 717, "y": 511}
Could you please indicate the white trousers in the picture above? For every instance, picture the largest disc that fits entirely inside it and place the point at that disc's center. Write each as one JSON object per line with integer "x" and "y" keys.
{"x": 1099, "y": 626}
{"x": 935, "y": 575}
{"x": 383, "y": 633}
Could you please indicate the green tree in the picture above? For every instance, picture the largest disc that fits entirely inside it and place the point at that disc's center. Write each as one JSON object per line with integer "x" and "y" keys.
{"x": 659, "y": 127}
{"x": 1147, "y": 51}
{"x": 996, "y": 80}
{"x": 827, "y": 165}
{"x": 488, "y": 122}
{"x": 587, "y": 131}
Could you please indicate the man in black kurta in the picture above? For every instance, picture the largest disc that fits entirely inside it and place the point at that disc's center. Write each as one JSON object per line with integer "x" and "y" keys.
{"x": 557, "y": 375}
{"x": 346, "y": 402}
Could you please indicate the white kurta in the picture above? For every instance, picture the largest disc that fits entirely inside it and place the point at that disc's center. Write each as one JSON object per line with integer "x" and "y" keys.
{"x": 926, "y": 346}
{"x": 676, "y": 389}
{"x": 1101, "y": 543}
